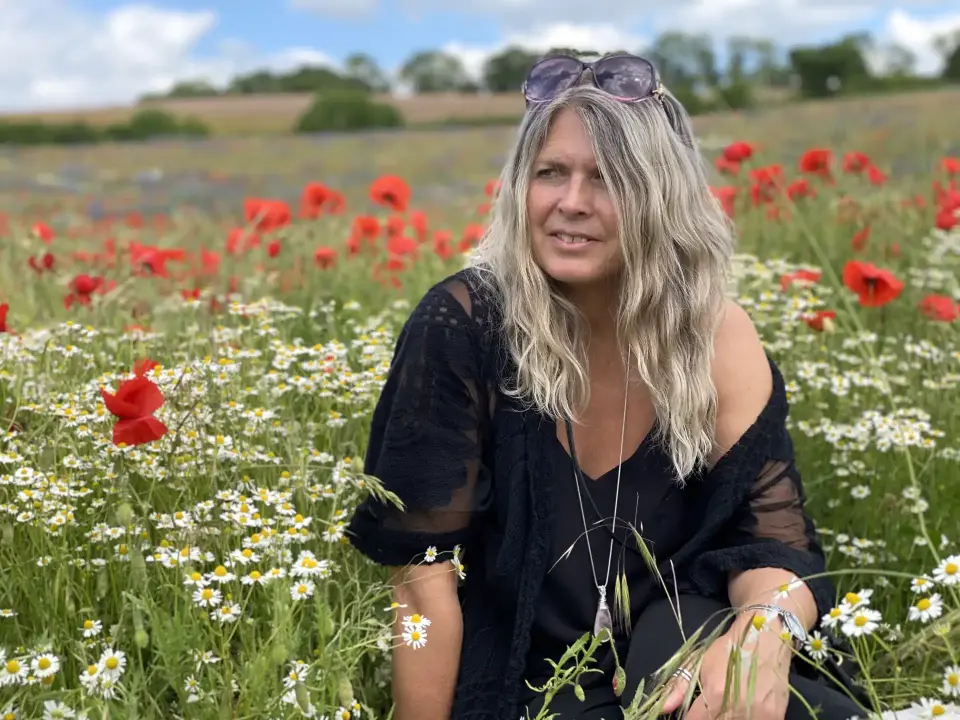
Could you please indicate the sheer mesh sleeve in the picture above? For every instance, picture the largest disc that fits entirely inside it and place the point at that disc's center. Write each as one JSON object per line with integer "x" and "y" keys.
{"x": 425, "y": 442}
{"x": 770, "y": 529}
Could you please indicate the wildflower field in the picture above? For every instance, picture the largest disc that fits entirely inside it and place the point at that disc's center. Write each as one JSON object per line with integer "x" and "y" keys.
{"x": 193, "y": 337}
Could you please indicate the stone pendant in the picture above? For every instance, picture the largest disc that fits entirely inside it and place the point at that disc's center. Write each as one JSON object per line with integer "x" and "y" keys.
{"x": 603, "y": 622}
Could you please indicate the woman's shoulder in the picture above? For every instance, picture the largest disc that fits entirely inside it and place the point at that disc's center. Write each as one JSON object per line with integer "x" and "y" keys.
{"x": 467, "y": 296}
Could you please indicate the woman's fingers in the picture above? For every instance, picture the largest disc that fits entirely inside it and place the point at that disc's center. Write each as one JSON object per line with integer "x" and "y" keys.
{"x": 678, "y": 686}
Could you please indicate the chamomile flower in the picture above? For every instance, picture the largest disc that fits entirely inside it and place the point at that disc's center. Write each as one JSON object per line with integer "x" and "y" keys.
{"x": 948, "y": 571}
{"x": 862, "y": 621}
{"x": 951, "y": 681}
{"x": 926, "y": 609}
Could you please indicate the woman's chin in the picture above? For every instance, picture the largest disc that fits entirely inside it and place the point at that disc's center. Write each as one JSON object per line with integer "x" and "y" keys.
{"x": 578, "y": 272}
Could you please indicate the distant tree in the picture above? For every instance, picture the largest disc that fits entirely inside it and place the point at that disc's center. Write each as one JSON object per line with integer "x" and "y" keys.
{"x": 899, "y": 60}
{"x": 262, "y": 81}
{"x": 193, "y": 88}
{"x": 364, "y": 69}
{"x": 505, "y": 71}
{"x": 829, "y": 69}
{"x": 951, "y": 68}
{"x": 680, "y": 58}
{"x": 434, "y": 71}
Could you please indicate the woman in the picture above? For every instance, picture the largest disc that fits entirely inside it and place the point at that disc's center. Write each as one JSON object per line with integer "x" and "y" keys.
{"x": 587, "y": 368}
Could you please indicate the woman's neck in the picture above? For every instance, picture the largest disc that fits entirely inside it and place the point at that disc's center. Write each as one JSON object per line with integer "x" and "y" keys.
{"x": 598, "y": 304}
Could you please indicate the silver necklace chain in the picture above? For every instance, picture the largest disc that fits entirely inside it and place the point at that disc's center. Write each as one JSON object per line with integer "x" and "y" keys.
{"x": 602, "y": 589}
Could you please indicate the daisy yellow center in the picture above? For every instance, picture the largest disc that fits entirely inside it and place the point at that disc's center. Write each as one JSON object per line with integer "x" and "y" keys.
{"x": 758, "y": 621}
{"x": 415, "y": 635}
{"x": 835, "y": 612}
{"x": 255, "y": 575}
{"x": 309, "y": 563}
{"x": 112, "y": 663}
{"x": 44, "y": 663}
{"x": 937, "y": 710}
{"x": 13, "y": 667}
{"x": 345, "y": 715}
{"x": 9, "y": 716}
{"x": 784, "y": 587}
{"x": 220, "y": 571}
{"x": 206, "y": 594}
{"x": 302, "y": 589}
{"x": 816, "y": 644}
{"x": 196, "y": 577}
{"x": 951, "y": 568}
{"x": 248, "y": 553}
{"x": 415, "y": 618}
{"x": 225, "y": 611}
{"x": 852, "y": 598}
{"x": 88, "y": 624}
{"x": 91, "y": 670}
{"x": 924, "y": 604}
{"x": 860, "y": 620}
{"x": 953, "y": 679}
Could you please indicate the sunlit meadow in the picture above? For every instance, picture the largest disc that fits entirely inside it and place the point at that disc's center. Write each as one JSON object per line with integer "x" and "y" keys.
{"x": 193, "y": 338}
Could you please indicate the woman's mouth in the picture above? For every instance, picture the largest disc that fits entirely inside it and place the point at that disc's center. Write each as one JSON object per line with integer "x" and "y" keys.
{"x": 568, "y": 239}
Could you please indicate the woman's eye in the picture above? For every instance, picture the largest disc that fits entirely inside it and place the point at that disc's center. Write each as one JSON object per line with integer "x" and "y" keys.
{"x": 547, "y": 172}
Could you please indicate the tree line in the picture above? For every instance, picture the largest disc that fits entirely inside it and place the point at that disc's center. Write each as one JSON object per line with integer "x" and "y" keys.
{"x": 688, "y": 64}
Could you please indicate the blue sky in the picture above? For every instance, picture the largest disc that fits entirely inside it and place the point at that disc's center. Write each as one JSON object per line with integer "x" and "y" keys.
{"x": 390, "y": 35}
{"x": 88, "y": 53}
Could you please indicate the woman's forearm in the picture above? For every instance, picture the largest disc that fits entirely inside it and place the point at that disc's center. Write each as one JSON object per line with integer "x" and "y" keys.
{"x": 424, "y": 678}
{"x": 773, "y": 586}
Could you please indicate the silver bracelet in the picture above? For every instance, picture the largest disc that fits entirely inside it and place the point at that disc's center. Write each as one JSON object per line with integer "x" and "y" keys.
{"x": 790, "y": 621}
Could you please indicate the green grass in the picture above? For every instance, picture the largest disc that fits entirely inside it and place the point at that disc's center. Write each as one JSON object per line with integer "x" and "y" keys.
{"x": 268, "y": 396}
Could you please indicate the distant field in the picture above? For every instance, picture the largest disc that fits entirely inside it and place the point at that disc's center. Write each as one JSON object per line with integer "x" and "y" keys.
{"x": 257, "y": 114}
{"x": 276, "y": 114}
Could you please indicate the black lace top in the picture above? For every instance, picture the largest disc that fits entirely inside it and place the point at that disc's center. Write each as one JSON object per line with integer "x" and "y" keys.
{"x": 473, "y": 470}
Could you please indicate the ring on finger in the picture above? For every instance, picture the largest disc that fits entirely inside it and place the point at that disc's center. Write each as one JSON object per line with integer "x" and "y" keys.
{"x": 684, "y": 673}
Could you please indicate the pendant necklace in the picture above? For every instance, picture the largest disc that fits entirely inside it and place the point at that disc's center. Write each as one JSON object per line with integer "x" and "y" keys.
{"x": 603, "y": 621}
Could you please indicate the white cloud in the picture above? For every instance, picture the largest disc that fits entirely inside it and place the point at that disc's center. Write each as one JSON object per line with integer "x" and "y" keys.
{"x": 53, "y": 55}
{"x": 353, "y": 9}
{"x": 600, "y": 38}
{"x": 918, "y": 35}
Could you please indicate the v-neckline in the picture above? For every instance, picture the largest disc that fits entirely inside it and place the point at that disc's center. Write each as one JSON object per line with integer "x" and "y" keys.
{"x": 600, "y": 478}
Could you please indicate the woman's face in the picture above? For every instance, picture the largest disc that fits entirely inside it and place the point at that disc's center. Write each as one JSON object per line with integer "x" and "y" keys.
{"x": 572, "y": 218}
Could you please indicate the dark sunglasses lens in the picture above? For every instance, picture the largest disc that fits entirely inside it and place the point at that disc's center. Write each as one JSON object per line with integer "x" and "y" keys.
{"x": 625, "y": 77}
{"x": 551, "y": 77}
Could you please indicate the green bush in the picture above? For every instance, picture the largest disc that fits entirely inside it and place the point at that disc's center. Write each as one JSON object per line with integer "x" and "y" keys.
{"x": 345, "y": 110}
{"x": 144, "y": 125}
{"x": 736, "y": 96}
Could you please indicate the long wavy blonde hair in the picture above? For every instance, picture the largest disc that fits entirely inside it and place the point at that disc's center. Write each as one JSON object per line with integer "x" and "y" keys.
{"x": 676, "y": 243}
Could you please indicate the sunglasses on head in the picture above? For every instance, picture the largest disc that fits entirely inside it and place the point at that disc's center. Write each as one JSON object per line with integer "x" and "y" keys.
{"x": 628, "y": 78}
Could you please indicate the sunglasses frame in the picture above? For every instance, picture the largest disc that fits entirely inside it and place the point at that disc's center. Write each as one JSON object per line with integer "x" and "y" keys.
{"x": 657, "y": 91}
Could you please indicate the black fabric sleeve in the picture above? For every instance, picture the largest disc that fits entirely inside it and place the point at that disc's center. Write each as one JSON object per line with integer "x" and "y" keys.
{"x": 769, "y": 529}
{"x": 426, "y": 436}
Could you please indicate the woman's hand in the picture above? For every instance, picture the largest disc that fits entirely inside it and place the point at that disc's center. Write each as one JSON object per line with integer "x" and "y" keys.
{"x": 764, "y": 653}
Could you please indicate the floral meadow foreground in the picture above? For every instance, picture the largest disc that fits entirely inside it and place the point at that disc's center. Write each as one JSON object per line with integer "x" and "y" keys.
{"x": 185, "y": 408}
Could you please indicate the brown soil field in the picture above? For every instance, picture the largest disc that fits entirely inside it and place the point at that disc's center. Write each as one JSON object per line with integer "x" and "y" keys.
{"x": 239, "y": 115}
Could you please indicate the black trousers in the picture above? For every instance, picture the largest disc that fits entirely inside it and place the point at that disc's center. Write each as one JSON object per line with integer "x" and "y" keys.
{"x": 656, "y": 637}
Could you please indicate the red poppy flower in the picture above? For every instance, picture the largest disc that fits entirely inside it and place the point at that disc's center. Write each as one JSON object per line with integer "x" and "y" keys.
{"x": 802, "y": 278}
{"x": 738, "y": 152}
{"x": 324, "y": 257}
{"x": 4, "y": 308}
{"x": 821, "y": 320}
{"x": 391, "y": 191}
{"x": 874, "y": 286}
{"x": 940, "y": 307}
{"x": 816, "y": 161}
{"x": 133, "y": 405}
